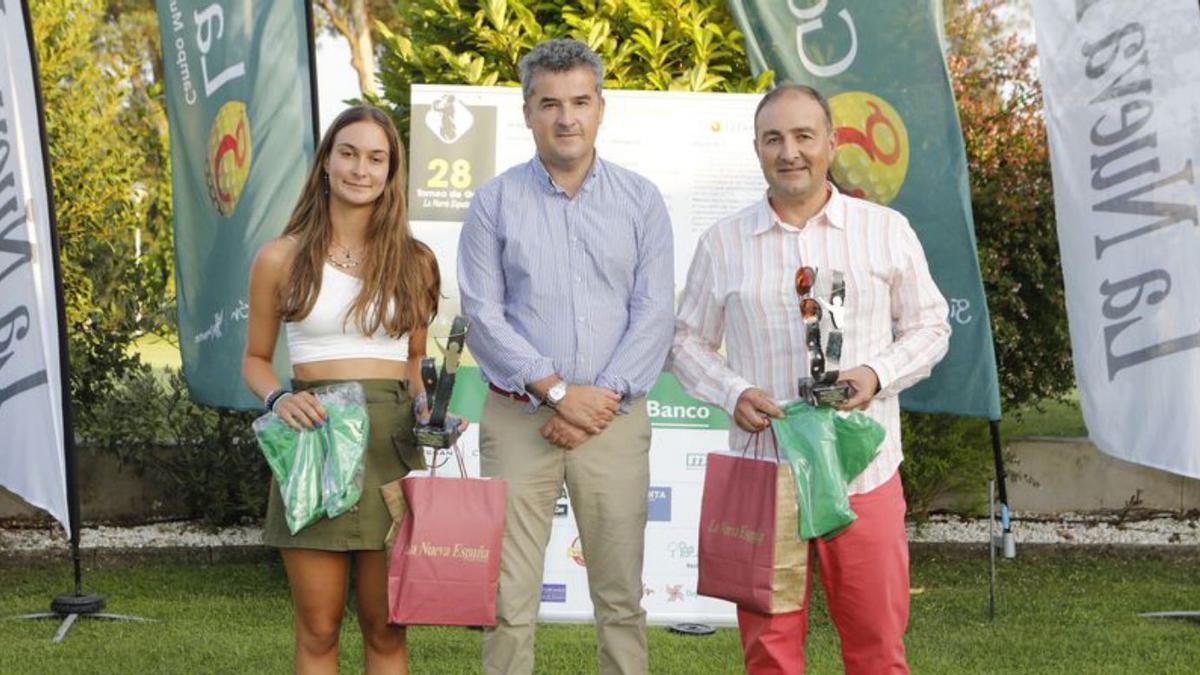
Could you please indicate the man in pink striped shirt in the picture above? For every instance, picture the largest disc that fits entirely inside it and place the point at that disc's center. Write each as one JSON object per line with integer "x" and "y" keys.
{"x": 741, "y": 289}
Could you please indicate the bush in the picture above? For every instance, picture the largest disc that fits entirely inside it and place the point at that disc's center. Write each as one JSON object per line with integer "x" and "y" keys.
{"x": 209, "y": 457}
{"x": 690, "y": 45}
{"x": 947, "y": 463}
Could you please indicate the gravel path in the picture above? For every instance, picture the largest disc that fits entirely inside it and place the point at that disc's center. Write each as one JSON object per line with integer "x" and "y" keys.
{"x": 1068, "y": 529}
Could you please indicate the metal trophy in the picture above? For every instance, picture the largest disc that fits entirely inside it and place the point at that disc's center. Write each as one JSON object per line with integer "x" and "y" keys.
{"x": 821, "y": 386}
{"x": 442, "y": 430}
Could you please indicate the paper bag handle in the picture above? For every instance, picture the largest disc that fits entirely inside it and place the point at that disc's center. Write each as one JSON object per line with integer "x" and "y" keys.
{"x": 462, "y": 465}
{"x": 756, "y": 440}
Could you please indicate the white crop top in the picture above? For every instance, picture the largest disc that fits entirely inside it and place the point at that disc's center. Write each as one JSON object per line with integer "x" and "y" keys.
{"x": 325, "y": 335}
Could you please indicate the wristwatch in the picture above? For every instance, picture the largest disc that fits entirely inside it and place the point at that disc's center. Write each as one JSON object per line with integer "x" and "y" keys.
{"x": 555, "y": 394}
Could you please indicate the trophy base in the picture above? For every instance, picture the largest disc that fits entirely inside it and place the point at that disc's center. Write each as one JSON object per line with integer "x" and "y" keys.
{"x": 825, "y": 394}
{"x": 434, "y": 437}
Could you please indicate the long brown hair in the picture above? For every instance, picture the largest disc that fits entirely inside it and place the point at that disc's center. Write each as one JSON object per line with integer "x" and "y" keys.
{"x": 400, "y": 279}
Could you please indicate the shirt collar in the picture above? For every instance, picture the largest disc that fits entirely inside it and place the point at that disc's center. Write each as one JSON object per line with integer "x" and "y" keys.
{"x": 833, "y": 213}
{"x": 546, "y": 182}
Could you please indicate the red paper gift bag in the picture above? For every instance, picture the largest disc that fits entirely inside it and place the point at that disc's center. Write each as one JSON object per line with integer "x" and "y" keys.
{"x": 750, "y": 551}
{"x": 445, "y": 560}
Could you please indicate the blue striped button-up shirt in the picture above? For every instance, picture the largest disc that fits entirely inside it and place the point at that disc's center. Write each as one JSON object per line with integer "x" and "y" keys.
{"x": 582, "y": 287}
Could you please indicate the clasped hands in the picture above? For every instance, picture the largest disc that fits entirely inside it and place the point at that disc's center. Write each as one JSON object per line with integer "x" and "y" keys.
{"x": 584, "y": 412}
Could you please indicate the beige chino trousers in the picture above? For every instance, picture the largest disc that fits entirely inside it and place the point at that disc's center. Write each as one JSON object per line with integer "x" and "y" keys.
{"x": 607, "y": 479}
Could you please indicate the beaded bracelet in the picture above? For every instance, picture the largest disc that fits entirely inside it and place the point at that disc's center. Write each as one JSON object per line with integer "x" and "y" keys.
{"x": 275, "y": 397}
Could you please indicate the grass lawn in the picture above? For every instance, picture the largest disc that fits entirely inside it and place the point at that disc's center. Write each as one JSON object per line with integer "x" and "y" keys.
{"x": 1071, "y": 613}
{"x": 1061, "y": 419}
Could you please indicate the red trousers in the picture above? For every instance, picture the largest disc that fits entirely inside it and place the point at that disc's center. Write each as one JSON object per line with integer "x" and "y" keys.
{"x": 865, "y": 574}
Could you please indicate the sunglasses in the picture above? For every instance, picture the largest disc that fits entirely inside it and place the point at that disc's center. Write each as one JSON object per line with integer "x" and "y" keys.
{"x": 805, "y": 278}
{"x": 810, "y": 311}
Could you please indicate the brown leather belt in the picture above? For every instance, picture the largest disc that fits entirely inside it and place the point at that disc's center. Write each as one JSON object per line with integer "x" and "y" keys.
{"x": 524, "y": 398}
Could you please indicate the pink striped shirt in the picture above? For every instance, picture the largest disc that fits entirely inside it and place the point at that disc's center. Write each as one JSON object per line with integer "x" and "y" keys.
{"x": 741, "y": 287}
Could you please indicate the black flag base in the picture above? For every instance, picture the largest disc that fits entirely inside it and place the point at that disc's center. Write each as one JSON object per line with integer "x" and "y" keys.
{"x": 72, "y": 606}
{"x": 692, "y": 629}
{"x": 78, "y": 603}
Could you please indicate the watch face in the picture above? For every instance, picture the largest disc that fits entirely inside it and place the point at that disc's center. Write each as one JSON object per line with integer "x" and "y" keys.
{"x": 557, "y": 393}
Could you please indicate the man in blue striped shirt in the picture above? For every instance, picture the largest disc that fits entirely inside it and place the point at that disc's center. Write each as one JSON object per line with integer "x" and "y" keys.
{"x": 566, "y": 270}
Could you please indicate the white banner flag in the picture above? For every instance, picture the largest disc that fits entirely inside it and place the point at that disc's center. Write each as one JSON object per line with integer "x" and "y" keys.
{"x": 32, "y": 461}
{"x": 1120, "y": 81}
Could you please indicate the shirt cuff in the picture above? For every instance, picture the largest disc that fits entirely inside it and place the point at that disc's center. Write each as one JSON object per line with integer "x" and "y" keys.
{"x": 540, "y": 369}
{"x": 884, "y": 372}
{"x": 734, "y": 391}
{"x": 618, "y": 385}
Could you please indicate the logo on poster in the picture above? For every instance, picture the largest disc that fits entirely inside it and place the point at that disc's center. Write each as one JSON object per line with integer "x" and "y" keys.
{"x": 229, "y": 154}
{"x": 685, "y": 551}
{"x": 872, "y": 146}
{"x": 675, "y": 593}
{"x": 575, "y": 553}
{"x": 676, "y": 413}
{"x": 441, "y": 458}
{"x": 561, "y": 506}
{"x": 453, "y": 152}
{"x": 696, "y": 461}
{"x": 554, "y": 592}
{"x": 449, "y": 119}
{"x": 658, "y": 504}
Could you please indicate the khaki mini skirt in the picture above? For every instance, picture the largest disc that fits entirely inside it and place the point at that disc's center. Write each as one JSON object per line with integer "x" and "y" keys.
{"x": 391, "y": 454}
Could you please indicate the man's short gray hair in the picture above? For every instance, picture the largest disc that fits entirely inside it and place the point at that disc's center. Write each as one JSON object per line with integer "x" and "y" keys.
{"x": 558, "y": 56}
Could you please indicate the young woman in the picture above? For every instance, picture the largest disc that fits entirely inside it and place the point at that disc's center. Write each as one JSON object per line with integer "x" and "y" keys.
{"x": 355, "y": 294}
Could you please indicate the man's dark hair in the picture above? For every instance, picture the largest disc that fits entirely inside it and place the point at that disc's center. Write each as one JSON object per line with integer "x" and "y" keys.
{"x": 785, "y": 87}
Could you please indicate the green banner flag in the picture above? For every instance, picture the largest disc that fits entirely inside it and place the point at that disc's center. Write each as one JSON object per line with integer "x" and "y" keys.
{"x": 240, "y": 102}
{"x": 899, "y": 144}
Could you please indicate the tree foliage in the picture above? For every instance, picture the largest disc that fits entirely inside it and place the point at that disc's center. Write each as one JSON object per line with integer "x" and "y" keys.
{"x": 1000, "y": 107}
{"x": 107, "y": 139}
{"x": 351, "y": 19}
{"x": 689, "y": 45}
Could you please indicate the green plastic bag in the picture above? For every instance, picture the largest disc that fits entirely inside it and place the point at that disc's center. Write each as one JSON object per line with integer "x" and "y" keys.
{"x": 346, "y": 436}
{"x": 302, "y": 491}
{"x": 319, "y": 471}
{"x": 826, "y": 450}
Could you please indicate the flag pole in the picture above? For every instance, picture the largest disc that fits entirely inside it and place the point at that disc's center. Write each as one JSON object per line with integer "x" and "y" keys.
{"x": 78, "y": 600}
{"x": 1006, "y": 544}
{"x": 310, "y": 24}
